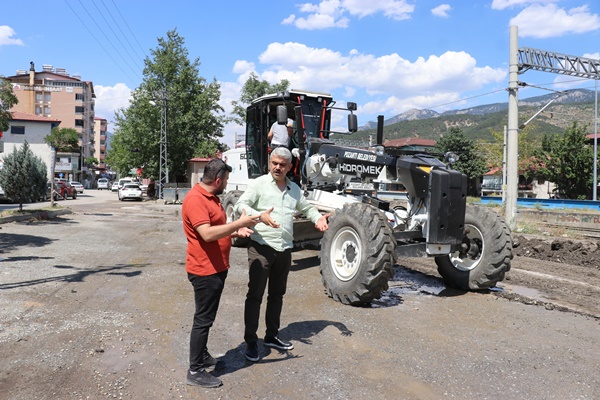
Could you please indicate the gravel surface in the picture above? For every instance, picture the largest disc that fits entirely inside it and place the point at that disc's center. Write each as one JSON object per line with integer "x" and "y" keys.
{"x": 96, "y": 304}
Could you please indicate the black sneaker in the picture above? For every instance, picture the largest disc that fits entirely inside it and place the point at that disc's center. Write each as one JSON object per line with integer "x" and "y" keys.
{"x": 202, "y": 378}
{"x": 210, "y": 363}
{"x": 252, "y": 352}
{"x": 274, "y": 341}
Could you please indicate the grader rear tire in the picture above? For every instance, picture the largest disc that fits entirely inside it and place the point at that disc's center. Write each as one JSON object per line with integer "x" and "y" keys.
{"x": 357, "y": 254}
{"x": 486, "y": 256}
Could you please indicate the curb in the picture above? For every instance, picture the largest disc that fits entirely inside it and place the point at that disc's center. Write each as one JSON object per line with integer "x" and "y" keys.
{"x": 35, "y": 215}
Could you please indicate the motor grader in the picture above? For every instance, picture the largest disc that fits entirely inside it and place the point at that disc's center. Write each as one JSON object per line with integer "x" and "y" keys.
{"x": 384, "y": 204}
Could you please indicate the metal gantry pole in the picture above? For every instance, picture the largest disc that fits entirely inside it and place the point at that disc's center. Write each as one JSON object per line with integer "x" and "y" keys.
{"x": 512, "y": 160}
{"x": 163, "y": 168}
{"x": 595, "y": 188}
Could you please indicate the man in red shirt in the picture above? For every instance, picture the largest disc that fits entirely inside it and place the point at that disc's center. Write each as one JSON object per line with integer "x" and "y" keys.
{"x": 207, "y": 261}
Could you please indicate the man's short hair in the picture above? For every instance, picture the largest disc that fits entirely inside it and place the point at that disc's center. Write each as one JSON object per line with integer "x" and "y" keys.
{"x": 215, "y": 168}
{"x": 282, "y": 152}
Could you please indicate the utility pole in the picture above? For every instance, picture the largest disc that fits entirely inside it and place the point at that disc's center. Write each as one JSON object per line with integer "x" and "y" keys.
{"x": 164, "y": 168}
{"x": 512, "y": 160}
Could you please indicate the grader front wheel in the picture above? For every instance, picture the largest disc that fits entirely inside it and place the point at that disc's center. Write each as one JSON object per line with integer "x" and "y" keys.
{"x": 485, "y": 255}
{"x": 357, "y": 254}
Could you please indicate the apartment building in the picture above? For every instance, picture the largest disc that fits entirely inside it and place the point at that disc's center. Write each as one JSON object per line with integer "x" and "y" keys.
{"x": 100, "y": 125}
{"x": 53, "y": 93}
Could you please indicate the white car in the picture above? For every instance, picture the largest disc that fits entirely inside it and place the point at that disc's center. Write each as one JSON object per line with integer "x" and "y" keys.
{"x": 78, "y": 186}
{"x": 130, "y": 191}
{"x": 103, "y": 183}
{"x": 115, "y": 187}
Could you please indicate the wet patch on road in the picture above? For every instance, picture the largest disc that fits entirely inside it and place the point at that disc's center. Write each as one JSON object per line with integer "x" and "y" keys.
{"x": 406, "y": 282}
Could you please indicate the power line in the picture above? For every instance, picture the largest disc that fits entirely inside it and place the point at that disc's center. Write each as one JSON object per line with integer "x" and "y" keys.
{"x": 109, "y": 41}
{"x": 96, "y": 39}
{"x": 112, "y": 30}
{"x": 126, "y": 24}
{"x": 123, "y": 33}
{"x": 467, "y": 98}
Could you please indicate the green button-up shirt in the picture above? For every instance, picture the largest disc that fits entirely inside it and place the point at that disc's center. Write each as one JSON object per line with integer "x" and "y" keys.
{"x": 262, "y": 194}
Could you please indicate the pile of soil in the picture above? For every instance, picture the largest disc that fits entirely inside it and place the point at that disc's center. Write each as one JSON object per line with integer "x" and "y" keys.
{"x": 563, "y": 250}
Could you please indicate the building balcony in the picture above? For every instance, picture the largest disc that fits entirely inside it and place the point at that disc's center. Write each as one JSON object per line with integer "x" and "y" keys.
{"x": 102, "y": 138}
{"x": 102, "y": 148}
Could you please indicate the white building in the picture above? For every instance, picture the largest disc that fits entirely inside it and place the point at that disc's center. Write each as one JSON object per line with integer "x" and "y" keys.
{"x": 34, "y": 128}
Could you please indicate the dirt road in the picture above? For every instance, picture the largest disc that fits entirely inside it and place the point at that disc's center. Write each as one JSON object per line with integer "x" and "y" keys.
{"x": 96, "y": 305}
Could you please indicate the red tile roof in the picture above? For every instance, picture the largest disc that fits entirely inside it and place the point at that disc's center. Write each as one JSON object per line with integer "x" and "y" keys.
{"x": 22, "y": 116}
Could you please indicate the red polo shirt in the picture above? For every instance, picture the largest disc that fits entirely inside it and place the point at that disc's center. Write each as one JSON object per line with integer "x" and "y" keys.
{"x": 204, "y": 258}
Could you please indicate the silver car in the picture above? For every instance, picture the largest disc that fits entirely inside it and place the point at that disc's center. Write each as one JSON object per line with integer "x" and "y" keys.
{"x": 78, "y": 186}
{"x": 103, "y": 183}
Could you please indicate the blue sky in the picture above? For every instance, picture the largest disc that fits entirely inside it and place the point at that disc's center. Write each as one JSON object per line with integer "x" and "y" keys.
{"x": 389, "y": 56}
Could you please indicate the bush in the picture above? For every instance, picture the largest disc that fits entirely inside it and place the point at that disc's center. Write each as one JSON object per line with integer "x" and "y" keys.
{"x": 23, "y": 176}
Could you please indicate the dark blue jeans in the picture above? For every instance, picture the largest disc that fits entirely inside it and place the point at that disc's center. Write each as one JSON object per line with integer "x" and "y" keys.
{"x": 207, "y": 295}
{"x": 266, "y": 265}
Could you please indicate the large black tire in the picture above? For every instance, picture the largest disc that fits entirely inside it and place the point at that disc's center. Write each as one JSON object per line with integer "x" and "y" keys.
{"x": 228, "y": 202}
{"x": 357, "y": 254}
{"x": 486, "y": 254}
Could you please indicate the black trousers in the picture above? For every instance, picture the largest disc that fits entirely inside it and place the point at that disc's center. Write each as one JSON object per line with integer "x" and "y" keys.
{"x": 266, "y": 266}
{"x": 207, "y": 295}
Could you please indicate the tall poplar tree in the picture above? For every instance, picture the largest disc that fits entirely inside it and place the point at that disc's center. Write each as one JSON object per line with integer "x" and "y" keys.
{"x": 194, "y": 118}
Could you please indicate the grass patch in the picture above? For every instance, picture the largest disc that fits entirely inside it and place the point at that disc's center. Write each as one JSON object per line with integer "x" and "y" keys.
{"x": 9, "y": 213}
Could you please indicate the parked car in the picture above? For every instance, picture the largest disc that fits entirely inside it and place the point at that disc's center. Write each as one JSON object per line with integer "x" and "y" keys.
{"x": 64, "y": 190}
{"x": 115, "y": 187}
{"x": 103, "y": 183}
{"x": 123, "y": 181}
{"x": 77, "y": 185}
{"x": 130, "y": 191}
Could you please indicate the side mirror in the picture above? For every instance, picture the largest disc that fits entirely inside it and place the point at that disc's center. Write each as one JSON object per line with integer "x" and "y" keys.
{"x": 282, "y": 115}
{"x": 352, "y": 123}
{"x": 351, "y": 106}
{"x": 451, "y": 157}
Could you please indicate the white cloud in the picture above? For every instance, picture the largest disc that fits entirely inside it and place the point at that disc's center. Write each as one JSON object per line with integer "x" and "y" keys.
{"x": 595, "y": 56}
{"x": 242, "y": 66}
{"x": 502, "y": 4}
{"x": 396, "y": 83}
{"x": 540, "y": 21}
{"x": 6, "y": 33}
{"x": 109, "y": 99}
{"x": 441, "y": 10}
{"x": 332, "y": 13}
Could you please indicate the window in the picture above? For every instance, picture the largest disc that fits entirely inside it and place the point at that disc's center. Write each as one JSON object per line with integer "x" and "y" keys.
{"x": 47, "y": 97}
{"x": 78, "y": 122}
{"x": 79, "y": 96}
{"x": 17, "y": 130}
{"x": 38, "y": 96}
{"x": 38, "y": 110}
{"x": 78, "y": 110}
{"x": 47, "y": 110}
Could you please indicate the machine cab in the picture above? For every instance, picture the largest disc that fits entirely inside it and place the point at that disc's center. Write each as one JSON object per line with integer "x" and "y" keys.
{"x": 310, "y": 111}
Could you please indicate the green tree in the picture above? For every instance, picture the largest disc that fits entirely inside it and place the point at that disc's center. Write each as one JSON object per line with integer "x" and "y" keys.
{"x": 194, "y": 118}
{"x": 571, "y": 163}
{"x": 253, "y": 89}
{"x": 23, "y": 176}
{"x": 470, "y": 162}
{"x": 91, "y": 161}
{"x": 61, "y": 140}
{"x": 7, "y": 101}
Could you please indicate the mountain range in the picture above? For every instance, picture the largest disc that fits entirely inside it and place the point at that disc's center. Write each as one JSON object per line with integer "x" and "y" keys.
{"x": 478, "y": 122}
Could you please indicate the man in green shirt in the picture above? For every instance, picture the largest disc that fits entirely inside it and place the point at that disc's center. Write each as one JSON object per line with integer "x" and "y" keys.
{"x": 277, "y": 199}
